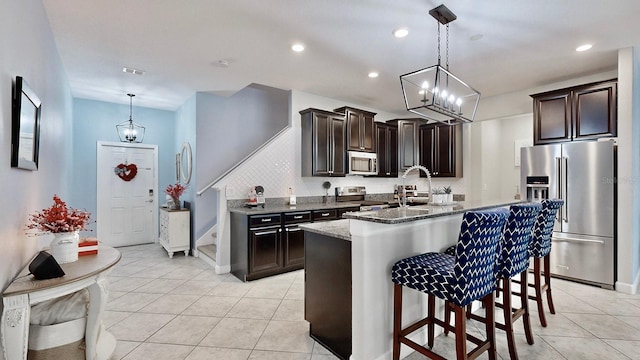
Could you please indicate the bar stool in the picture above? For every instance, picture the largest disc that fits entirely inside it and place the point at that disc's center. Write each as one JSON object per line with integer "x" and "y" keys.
{"x": 459, "y": 279}
{"x": 539, "y": 249}
{"x": 513, "y": 259}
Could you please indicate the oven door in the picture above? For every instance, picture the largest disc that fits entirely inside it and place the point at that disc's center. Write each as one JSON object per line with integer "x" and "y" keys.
{"x": 362, "y": 163}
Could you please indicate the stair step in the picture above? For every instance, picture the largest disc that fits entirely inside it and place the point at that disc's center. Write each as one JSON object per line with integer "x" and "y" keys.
{"x": 209, "y": 250}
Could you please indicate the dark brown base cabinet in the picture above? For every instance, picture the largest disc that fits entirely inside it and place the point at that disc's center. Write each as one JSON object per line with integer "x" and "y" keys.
{"x": 265, "y": 245}
{"x": 327, "y": 292}
{"x": 583, "y": 112}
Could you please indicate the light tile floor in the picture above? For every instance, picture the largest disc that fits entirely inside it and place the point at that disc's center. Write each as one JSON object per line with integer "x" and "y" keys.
{"x": 175, "y": 309}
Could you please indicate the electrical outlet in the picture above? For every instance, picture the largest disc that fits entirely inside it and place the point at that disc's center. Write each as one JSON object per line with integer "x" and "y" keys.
{"x": 229, "y": 191}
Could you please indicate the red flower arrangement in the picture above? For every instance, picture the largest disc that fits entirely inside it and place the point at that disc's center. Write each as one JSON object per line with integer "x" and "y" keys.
{"x": 175, "y": 191}
{"x": 59, "y": 218}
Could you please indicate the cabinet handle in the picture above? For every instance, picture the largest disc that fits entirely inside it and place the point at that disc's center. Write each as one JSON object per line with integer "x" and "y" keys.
{"x": 325, "y": 214}
{"x": 298, "y": 217}
{"x": 265, "y": 232}
{"x": 265, "y": 220}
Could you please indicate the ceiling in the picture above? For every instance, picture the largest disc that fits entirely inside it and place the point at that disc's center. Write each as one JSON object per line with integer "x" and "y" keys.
{"x": 524, "y": 44}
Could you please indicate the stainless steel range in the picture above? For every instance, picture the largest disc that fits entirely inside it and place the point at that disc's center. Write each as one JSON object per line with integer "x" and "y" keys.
{"x": 357, "y": 194}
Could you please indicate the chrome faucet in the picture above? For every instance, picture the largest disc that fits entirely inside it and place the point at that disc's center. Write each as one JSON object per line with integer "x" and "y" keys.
{"x": 404, "y": 176}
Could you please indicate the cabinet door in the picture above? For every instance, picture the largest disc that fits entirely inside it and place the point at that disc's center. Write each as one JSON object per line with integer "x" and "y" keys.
{"x": 428, "y": 149}
{"x": 446, "y": 149}
{"x": 551, "y": 118}
{"x": 392, "y": 151}
{"x": 322, "y": 147}
{"x": 354, "y": 135}
{"x": 408, "y": 144}
{"x": 438, "y": 149}
{"x": 367, "y": 132}
{"x": 265, "y": 254}
{"x": 293, "y": 248}
{"x": 594, "y": 111}
{"x": 387, "y": 149}
{"x": 337, "y": 144}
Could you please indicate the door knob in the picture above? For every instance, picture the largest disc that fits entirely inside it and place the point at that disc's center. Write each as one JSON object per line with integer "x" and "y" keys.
{"x": 150, "y": 200}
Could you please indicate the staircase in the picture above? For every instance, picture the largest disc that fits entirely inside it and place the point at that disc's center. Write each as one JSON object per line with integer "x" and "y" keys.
{"x": 208, "y": 252}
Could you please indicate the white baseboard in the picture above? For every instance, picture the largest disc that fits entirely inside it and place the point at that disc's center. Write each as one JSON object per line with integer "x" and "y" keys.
{"x": 223, "y": 269}
{"x": 627, "y": 288}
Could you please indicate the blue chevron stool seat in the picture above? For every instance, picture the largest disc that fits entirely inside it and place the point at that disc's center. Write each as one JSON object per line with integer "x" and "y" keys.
{"x": 468, "y": 275}
{"x": 512, "y": 260}
{"x": 539, "y": 249}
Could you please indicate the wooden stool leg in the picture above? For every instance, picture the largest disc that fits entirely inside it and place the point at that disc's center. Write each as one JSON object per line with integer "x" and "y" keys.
{"x": 538, "y": 287}
{"x": 397, "y": 320}
{"x": 490, "y": 324}
{"x": 524, "y": 297}
{"x": 431, "y": 313}
{"x": 508, "y": 318}
{"x": 461, "y": 332}
{"x": 447, "y": 316}
{"x": 547, "y": 282}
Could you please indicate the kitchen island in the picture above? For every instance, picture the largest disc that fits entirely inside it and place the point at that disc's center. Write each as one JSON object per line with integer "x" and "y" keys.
{"x": 348, "y": 287}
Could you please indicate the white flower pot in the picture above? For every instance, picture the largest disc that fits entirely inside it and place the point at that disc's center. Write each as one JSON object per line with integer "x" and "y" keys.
{"x": 64, "y": 247}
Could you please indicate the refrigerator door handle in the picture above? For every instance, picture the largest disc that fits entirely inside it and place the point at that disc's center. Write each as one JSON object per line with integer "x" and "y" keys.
{"x": 559, "y": 184}
{"x": 569, "y": 239}
{"x": 565, "y": 197}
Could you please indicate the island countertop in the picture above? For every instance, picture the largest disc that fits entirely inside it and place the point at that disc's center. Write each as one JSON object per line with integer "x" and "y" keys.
{"x": 420, "y": 212}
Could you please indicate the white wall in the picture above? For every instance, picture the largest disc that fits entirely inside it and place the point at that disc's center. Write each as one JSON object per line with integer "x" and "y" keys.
{"x": 628, "y": 170}
{"x": 28, "y": 50}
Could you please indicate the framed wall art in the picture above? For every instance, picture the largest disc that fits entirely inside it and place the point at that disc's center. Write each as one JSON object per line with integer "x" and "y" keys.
{"x": 25, "y": 129}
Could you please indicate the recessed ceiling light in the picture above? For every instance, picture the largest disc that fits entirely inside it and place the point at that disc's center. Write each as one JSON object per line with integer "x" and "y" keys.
{"x": 373, "y": 74}
{"x": 133, "y": 71}
{"x": 584, "y": 47}
{"x": 221, "y": 63}
{"x": 401, "y": 32}
{"x": 476, "y": 37}
{"x": 297, "y": 47}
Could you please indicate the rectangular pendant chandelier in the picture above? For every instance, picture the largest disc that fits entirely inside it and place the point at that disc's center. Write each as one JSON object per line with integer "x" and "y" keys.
{"x": 434, "y": 92}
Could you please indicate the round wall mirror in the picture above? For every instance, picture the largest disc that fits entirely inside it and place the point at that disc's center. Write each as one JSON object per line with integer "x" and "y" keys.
{"x": 185, "y": 163}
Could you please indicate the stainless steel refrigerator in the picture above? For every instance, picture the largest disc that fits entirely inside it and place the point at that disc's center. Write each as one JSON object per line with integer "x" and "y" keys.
{"x": 583, "y": 174}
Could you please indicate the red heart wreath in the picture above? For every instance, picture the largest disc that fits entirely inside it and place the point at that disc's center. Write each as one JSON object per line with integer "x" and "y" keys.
{"x": 126, "y": 172}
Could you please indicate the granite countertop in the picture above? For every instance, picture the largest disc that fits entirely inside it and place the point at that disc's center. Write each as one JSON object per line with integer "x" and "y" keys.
{"x": 278, "y": 208}
{"x": 336, "y": 228}
{"x": 414, "y": 213}
{"x": 340, "y": 228}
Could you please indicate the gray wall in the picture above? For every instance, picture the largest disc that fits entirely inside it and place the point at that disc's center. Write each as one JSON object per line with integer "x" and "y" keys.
{"x": 228, "y": 130}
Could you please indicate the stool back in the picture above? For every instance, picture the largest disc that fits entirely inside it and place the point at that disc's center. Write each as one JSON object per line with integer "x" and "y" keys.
{"x": 540, "y": 244}
{"x": 475, "y": 255}
{"x": 513, "y": 256}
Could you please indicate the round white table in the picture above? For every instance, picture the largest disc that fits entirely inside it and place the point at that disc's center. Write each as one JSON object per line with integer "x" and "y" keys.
{"x": 90, "y": 272}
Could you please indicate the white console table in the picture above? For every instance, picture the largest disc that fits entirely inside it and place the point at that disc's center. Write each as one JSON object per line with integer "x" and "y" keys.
{"x": 175, "y": 230}
{"x": 90, "y": 271}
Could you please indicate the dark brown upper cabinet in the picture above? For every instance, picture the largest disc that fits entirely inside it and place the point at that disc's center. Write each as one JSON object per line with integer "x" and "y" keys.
{"x": 408, "y": 141}
{"x": 441, "y": 150}
{"x": 323, "y": 143}
{"x": 387, "y": 149}
{"x": 583, "y": 112}
{"x": 360, "y": 131}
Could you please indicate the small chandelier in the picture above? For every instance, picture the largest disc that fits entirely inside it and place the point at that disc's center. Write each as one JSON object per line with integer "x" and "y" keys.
{"x": 129, "y": 131}
{"x": 435, "y": 93}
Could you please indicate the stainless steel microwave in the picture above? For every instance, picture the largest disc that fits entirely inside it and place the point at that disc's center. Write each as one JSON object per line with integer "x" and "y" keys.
{"x": 362, "y": 163}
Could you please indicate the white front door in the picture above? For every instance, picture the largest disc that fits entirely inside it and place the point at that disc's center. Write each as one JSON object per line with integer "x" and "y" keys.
{"x": 127, "y": 203}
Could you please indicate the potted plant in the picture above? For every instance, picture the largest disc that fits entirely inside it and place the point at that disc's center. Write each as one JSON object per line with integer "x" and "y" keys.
{"x": 64, "y": 223}
{"x": 438, "y": 195}
{"x": 447, "y": 190}
{"x": 175, "y": 191}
